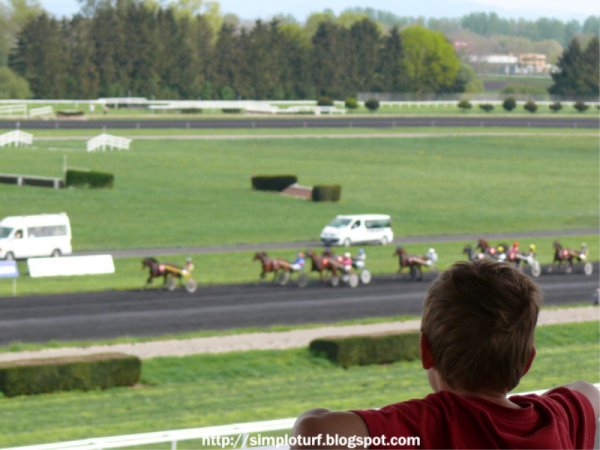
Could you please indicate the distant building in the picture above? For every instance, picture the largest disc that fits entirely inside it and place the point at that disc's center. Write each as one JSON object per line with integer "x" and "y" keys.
{"x": 521, "y": 64}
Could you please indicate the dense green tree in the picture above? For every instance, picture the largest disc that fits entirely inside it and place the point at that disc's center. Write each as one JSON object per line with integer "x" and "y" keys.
{"x": 430, "y": 63}
{"x": 82, "y": 79}
{"x": 391, "y": 67}
{"x": 332, "y": 60}
{"x": 226, "y": 62}
{"x": 365, "y": 42}
{"x": 578, "y": 71}
{"x": 12, "y": 86}
{"x": 591, "y": 64}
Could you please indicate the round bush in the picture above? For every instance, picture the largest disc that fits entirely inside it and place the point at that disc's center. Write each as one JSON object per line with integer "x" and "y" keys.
{"x": 555, "y": 107}
{"x": 465, "y": 105}
{"x": 487, "y": 107}
{"x": 324, "y": 101}
{"x": 372, "y": 104}
{"x": 509, "y": 104}
{"x": 580, "y": 106}
{"x": 351, "y": 103}
{"x": 530, "y": 106}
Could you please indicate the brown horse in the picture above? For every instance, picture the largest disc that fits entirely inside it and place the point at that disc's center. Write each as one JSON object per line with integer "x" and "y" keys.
{"x": 157, "y": 270}
{"x": 567, "y": 255}
{"x": 325, "y": 265}
{"x": 414, "y": 263}
{"x": 271, "y": 265}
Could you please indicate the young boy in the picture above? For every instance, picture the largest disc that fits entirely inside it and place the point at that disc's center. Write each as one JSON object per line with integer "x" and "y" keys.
{"x": 476, "y": 344}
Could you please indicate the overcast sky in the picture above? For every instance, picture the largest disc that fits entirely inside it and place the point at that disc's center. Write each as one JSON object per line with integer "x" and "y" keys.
{"x": 529, "y": 9}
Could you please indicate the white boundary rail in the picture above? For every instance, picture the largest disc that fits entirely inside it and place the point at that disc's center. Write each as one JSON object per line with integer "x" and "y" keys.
{"x": 241, "y": 430}
{"x": 104, "y": 141}
{"x": 43, "y": 111}
{"x": 13, "y": 110}
{"x": 17, "y": 138}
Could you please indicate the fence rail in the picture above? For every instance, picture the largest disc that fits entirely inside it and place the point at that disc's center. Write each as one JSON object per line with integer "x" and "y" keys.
{"x": 16, "y": 137}
{"x": 242, "y": 430}
{"x": 105, "y": 141}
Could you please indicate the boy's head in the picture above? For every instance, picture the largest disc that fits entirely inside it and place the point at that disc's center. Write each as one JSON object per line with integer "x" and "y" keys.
{"x": 479, "y": 320}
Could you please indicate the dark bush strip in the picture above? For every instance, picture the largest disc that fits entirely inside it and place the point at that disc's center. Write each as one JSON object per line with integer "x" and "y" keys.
{"x": 326, "y": 193}
{"x": 273, "y": 182}
{"x": 82, "y": 178}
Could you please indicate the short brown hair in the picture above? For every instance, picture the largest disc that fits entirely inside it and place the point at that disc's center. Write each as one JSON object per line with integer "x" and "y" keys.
{"x": 479, "y": 318}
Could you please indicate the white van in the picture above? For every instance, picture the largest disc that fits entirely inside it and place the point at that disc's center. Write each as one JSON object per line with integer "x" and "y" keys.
{"x": 30, "y": 236}
{"x": 361, "y": 228}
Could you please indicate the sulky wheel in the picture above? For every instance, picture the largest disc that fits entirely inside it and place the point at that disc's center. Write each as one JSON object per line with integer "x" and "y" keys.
{"x": 588, "y": 268}
{"x": 191, "y": 285}
{"x": 353, "y": 280}
{"x": 282, "y": 278}
{"x": 365, "y": 276}
{"x": 536, "y": 269}
{"x": 171, "y": 283}
{"x": 302, "y": 280}
{"x": 334, "y": 280}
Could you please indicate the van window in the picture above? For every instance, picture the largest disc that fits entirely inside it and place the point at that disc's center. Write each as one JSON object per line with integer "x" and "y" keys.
{"x": 5, "y": 232}
{"x": 47, "y": 231}
{"x": 340, "y": 223}
{"x": 374, "y": 224}
{"x": 356, "y": 224}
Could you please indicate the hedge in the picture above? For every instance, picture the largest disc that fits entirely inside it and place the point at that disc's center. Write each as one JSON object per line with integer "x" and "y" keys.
{"x": 100, "y": 371}
{"x": 70, "y": 113}
{"x": 89, "y": 178}
{"x": 364, "y": 350}
{"x": 326, "y": 193}
{"x": 273, "y": 182}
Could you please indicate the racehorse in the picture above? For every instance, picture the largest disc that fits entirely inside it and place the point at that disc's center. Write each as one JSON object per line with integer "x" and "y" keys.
{"x": 157, "y": 270}
{"x": 271, "y": 265}
{"x": 414, "y": 263}
{"x": 324, "y": 265}
{"x": 567, "y": 255}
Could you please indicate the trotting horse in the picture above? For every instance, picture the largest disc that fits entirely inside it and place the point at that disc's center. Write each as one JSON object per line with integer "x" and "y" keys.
{"x": 414, "y": 263}
{"x": 325, "y": 265}
{"x": 271, "y": 265}
{"x": 157, "y": 270}
{"x": 567, "y": 255}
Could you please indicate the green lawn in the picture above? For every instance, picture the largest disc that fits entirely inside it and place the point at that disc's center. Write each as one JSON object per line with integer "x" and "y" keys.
{"x": 260, "y": 385}
{"x": 172, "y": 193}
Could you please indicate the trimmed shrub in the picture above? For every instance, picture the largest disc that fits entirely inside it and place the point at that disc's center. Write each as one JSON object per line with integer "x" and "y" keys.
{"x": 273, "y": 182}
{"x": 69, "y": 113}
{"x": 324, "y": 101}
{"x": 487, "y": 107}
{"x": 465, "y": 105}
{"x": 89, "y": 178}
{"x": 232, "y": 110}
{"x": 326, "y": 193}
{"x": 372, "y": 104}
{"x": 191, "y": 111}
{"x": 530, "y": 106}
{"x": 555, "y": 107}
{"x": 37, "y": 376}
{"x": 364, "y": 350}
{"x": 580, "y": 106}
{"x": 351, "y": 103}
{"x": 509, "y": 104}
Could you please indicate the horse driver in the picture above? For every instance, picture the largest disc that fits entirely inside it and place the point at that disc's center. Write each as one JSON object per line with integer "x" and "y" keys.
{"x": 188, "y": 266}
{"x": 431, "y": 256}
{"x": 346, "y": 261}
{"x": 298, "y": 263}
{"x": 359, "y": 261}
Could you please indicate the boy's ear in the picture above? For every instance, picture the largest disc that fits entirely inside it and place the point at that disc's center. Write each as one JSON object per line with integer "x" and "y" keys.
{"x": 426, "y": 355}
{"x": 529, "y": 361}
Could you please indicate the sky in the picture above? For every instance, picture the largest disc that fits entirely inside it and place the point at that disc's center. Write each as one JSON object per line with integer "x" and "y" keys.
{"x": 264, "y": 9}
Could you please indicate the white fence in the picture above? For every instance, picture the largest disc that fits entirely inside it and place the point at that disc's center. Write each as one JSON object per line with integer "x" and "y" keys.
{"x": 16, "y": 138}
{"x": 104, "y": 141}
{"x": 241, "y": 432}
{"x": 70, "y": 265}
{"x": 44, "y": 111}
{"x": 13, "y": 110}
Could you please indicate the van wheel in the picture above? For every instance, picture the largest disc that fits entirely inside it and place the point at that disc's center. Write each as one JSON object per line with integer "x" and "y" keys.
{"x": 347, "y": 242}
{"x": 10, "y": 256}
{"x": 384, "y": 240}
{"x": 56, "y": 253}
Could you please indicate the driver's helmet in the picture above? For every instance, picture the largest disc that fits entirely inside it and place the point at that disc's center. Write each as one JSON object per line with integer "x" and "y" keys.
{"x": 300, "y": 255}
{"x": 431, "y": 250}
{"x": 347, "y": 255}
{"x": 361, "y": 251}
{"x": 516, "y": 244}
{"x": 188, "y": 260}
{"x": 532, "y": 247}
{"x": 501, "y": 249}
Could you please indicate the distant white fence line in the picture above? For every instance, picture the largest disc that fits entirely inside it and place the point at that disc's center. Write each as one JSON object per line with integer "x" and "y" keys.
{"x": 44, "y": 111}
{"x": 70, "y": 265}
{"x": 16, "y": 138}
{"x": 14, "y": 110}
{"x": 106, "y": 141}
{"x": 241, "y": 430}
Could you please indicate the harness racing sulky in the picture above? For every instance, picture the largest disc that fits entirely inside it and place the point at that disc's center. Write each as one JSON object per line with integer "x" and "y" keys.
{"x": 172, "y": 274}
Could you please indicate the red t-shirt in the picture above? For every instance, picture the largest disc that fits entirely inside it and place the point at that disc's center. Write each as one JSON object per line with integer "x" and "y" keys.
{"x": 560, "y": 418}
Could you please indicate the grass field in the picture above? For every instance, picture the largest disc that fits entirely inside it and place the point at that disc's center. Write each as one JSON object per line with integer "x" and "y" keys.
{"x": 173, "y": 193}
{"x": 220, "y": 389}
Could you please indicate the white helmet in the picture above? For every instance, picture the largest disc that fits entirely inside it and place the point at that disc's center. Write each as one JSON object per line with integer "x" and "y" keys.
{"x": 431, "y": 250}
{"x": 347, "y": 255}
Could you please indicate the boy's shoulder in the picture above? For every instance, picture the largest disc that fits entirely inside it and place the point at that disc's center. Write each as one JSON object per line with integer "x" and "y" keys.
{"x": 448, "y": 420}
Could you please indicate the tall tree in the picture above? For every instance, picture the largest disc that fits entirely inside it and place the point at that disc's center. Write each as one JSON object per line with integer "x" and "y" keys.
{"x": 391, "y": 76}
{"x": 366, "y": 42}
{"x": 590, "y": 70}
{"x": 569, "y": 80}
{"x": 332, "y": 61}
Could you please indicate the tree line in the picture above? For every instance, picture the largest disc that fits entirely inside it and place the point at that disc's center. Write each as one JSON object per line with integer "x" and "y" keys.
{"x": 133, "y": 50}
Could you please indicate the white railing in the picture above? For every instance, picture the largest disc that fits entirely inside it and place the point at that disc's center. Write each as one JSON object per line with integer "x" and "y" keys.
{"x": 104, "y": 141}
{"x": 16, "y": 137}
{"x": 211, "y": 434}
{"x": 13, "y": 110}
{"x": 44, "y": 111}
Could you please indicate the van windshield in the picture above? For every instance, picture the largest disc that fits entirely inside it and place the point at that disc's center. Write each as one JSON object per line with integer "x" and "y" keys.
{"x": 340, "y": 223}
{"x": 5, "y": 232}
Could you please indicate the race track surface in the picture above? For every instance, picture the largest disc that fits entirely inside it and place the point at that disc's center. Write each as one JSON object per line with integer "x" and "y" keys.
{"x": 324, "y": 122}
{"x": 157, "y": 312}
